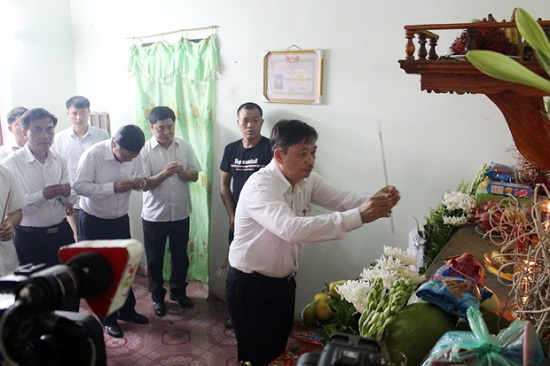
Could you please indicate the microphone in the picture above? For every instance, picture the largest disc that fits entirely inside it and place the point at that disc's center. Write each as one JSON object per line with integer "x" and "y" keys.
{"x": 105, "y": 270}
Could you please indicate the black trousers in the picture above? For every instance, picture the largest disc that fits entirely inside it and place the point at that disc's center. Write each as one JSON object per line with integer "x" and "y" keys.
{"x": 36, "y": 245}
{"x": 40, "y": 246}
{"x": 262, "y": 309}
{"x": 95, "y": 228}
{"x": 155, "y": 235}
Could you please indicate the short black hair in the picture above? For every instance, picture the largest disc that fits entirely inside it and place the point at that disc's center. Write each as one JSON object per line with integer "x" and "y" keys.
{"x": 34, "y": 114}
{"x": 130, "y": 137}
{"x": 78, "y": 102}
{"x": 249, "y": 106}
{"x": 15, "y": 113}
{"x": 286, "y": 133}
{"x": 161, "y": 113}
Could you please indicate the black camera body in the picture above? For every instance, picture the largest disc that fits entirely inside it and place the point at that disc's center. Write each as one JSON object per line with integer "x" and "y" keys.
{"x": 32, "y": 332}
{"x": 344, "y": 350}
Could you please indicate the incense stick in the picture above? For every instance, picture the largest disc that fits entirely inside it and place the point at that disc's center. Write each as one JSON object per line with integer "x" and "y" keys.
{"x": 5, "y": 211}
{"x": 174, "y": 141}
{"x": 379, "y": 123}
{"x": 64, "y": 167}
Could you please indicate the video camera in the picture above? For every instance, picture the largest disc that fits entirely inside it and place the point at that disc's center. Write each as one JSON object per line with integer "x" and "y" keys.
{"x": 32, "y": 332}
{"x": 344, "y": 350}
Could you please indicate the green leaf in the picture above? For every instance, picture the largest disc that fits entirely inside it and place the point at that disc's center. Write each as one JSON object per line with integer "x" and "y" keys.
{"x": 543, "y": 60}
{"x": 533, "y": 33}
{"x": 531, "y": 30}
{"x": 504, "y": 68}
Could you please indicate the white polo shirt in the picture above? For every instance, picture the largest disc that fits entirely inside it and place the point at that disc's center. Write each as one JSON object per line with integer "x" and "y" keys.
{"x": 169, "y": 201}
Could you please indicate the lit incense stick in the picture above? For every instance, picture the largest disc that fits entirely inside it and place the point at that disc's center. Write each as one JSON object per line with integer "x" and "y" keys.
{"x": 379, "y": 123}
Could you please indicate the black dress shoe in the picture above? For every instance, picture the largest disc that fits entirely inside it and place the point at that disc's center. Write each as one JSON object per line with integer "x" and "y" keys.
{"x": 134, "y": 318}
{"x": 159, "y": 308}
{"x": 114, "y": 331}
{"x": 182, "y": 300}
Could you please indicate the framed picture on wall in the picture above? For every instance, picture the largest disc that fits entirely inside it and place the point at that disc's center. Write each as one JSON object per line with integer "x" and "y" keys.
{"x": 294, "y": 77}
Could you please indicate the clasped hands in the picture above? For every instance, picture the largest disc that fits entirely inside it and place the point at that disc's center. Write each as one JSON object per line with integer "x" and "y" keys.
{"x": 173, "y": 168}
{"x": 56, "y": 190}
{"x": 6, "y": 231}
{"x": 380, "y": 204}
{"x": 121, "y": 186}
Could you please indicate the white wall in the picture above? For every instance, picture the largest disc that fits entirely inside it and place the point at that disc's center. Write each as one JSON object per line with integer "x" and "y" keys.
{"x": 432, "y": 141}
{"x": 37, "y": 68}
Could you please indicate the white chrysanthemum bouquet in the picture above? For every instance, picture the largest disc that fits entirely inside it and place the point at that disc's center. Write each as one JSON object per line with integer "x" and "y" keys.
{"x": 382, "y": 290}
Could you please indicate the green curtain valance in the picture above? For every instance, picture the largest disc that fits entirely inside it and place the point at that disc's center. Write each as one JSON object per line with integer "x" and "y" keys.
{"x": 195, "y": 60}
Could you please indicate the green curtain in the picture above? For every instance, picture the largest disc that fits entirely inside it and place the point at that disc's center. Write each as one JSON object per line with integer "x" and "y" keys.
{"x": 182, "y": 76}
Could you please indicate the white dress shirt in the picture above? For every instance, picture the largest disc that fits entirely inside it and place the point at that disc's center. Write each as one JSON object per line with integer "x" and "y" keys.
{"x": 9, "y": 187}
{"x": 271, "y": 223}
{"x": 169, "y": 201}
{"x": 70, "y": 146}
{"x": 97, "y": 172}
{"x": 33, "y": 177}
{"x": 8, "y": 149}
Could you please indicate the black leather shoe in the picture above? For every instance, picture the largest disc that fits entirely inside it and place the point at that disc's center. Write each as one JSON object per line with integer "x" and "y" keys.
{"x": 114, "y": 331}
{"x": 134, "y": 318}
{"x": 159, "y": 308}
{"x": 182, "y": 300}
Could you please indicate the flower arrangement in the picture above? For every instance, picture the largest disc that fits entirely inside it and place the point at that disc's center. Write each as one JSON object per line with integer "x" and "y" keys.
{"x": 455, "y": 210}
{"x": 381, "y": 291}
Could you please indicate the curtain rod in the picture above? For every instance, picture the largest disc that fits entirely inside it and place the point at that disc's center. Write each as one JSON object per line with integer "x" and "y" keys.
{"x": 212, "y": 27}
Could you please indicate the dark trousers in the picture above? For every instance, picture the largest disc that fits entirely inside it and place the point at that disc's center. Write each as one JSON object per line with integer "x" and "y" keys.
{"x": 95, "y": 228}
{"x": 155, "y": 235}
{"x": 40, "y": 246}
{"x": 262, "y": 309}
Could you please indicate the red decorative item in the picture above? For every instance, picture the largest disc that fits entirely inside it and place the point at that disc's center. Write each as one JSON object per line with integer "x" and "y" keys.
{"x": 468, "y": 265}
{"x": 492, "y": 39}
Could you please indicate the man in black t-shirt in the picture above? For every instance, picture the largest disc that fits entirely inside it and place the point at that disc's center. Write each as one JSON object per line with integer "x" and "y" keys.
{"x": 242, "y": 158}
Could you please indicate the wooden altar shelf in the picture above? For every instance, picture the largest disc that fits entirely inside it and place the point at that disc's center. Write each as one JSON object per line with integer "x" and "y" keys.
{"x": 522, "y": 106}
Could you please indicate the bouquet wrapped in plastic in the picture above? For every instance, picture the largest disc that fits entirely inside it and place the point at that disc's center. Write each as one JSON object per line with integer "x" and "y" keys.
{"x": 516, "y": 345}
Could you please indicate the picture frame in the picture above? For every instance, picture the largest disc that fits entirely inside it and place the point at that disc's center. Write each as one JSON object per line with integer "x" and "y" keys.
{"x": 293, "y": 76}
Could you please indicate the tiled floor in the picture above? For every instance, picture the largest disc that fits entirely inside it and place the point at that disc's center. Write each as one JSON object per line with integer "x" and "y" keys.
{"x": 195, "y": 337}
{"x": 183, "y": 337}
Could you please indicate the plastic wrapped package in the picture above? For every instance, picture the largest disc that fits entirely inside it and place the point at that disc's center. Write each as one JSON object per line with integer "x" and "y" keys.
{"x": 512, "y": 346}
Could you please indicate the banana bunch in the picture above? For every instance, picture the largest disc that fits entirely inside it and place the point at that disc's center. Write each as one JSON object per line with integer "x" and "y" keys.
{"x": 493, "y": 262}
{"x": 513, "y": 33}
{"x": 383, "y": 306}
